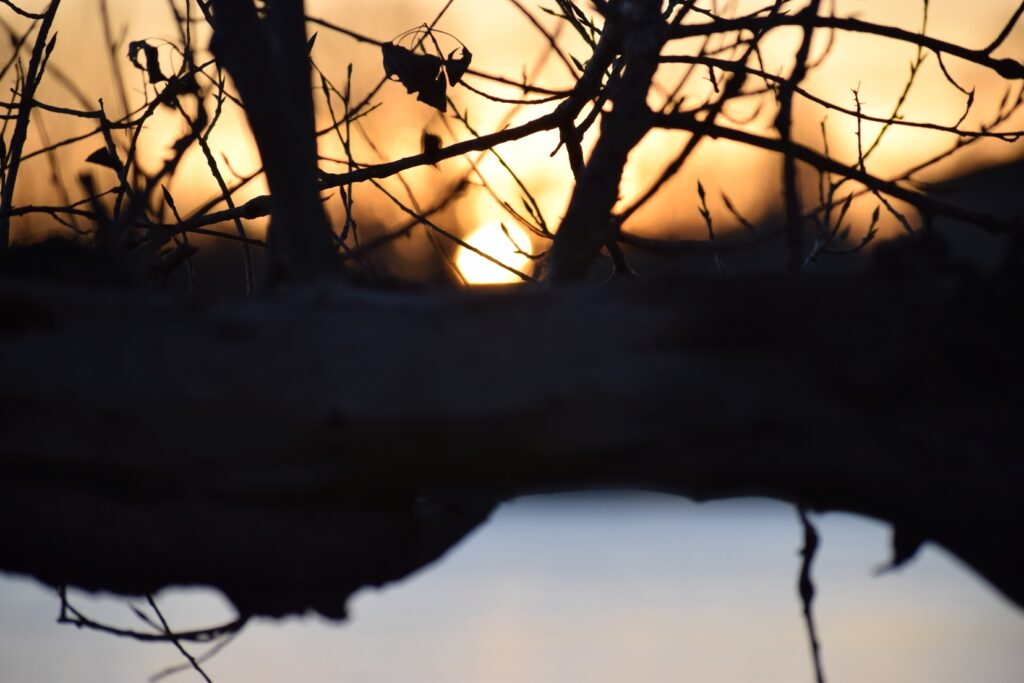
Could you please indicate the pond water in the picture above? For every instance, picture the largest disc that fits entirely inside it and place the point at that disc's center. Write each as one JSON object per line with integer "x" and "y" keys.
{"x": 584, "y": 588}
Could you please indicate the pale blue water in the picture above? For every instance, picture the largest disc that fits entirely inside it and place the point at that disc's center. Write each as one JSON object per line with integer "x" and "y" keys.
{"x": 642, "y": 589}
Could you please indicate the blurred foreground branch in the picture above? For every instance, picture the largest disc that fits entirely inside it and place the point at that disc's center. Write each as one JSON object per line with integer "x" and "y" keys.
{"x": 292, "y": 449}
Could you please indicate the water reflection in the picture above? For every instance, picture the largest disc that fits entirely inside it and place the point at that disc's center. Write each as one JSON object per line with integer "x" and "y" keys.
{"x": 639, "y": 589}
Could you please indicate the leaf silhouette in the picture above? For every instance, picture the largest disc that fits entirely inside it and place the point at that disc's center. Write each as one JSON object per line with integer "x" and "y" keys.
{"x": 152, "y": 65}
{"x": 457, "y": 68}
{"x": 185, "y": 85}
{"x": 102, "y": 157}
{"x": 428, "y": 75}
{"x": 418, "y": 73}
{"x": 435, "y": 94}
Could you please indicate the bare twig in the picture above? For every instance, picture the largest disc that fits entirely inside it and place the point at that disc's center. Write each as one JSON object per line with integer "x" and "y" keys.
{"x": 42, "y": 48}
{"x": 806, "y": 590}
{"x": 176, "y": 641}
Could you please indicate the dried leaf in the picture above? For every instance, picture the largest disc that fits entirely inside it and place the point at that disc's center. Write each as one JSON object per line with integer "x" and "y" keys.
{"x": 185, "y": 85}
{"x": 415, "y": 71}
{"x": 102, "y": 157}
{"x": 435, "y": 94}
{"x": 428, "y": 75}
{"x": 457, "y": 68}
{"x": 152, "y": 65}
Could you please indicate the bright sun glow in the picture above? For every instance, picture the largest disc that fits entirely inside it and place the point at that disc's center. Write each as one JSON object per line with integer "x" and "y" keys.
{"x": 492, "y": 240}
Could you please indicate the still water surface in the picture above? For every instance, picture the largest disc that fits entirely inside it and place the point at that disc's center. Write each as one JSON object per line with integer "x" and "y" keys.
{"x": 568, "y": 589}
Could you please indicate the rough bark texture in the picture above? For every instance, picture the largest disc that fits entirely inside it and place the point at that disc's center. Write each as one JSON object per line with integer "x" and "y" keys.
{"x": 292, "y": 449}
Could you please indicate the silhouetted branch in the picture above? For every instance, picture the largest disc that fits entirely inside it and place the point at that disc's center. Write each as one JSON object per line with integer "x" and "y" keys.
{"x": 926, "y": 204}
{"x": 738, "y": 66}
{"x": 381, "y": 401}
{"x": 71, "y": 615}
{"x": 21, "y": 12}
{"x": 1005, "y": 33}
{"x": 13, "y": 155}
{"x": 805, "y": 587}
{"x": 586, "y": 227}
{"x": 177, "y": 641}
{"x": 784, "y": 126}
{"x": 1007, "y": 68}
{"x": 267, "y": 58}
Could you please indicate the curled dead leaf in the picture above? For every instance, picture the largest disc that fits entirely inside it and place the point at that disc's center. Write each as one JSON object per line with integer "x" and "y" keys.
{"x": 426, "y": 74}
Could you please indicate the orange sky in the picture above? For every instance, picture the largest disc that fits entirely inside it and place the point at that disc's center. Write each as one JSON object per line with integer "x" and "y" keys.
{"x": 503, "y": 42}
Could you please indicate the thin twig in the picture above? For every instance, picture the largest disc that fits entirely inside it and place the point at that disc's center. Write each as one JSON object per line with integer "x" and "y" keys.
{"x": 806, "y": 588}
{"x": 177, "y": 643}
{"x": 32, "y": 78}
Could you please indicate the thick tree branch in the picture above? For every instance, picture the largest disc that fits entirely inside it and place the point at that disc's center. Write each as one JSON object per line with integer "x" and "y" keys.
{"x": 294, "y": 449}
{"x": 266, "y": 57}
{"x": 638, "y": 30}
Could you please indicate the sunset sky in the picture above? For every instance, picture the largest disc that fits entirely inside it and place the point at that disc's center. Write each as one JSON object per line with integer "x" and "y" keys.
{"x": 594, "y": 586}
{"x": 504, "y": 42}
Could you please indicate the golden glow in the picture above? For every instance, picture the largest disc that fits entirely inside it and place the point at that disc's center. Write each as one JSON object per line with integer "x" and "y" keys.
{"x": 504, "y": 42}
{"x": 505, "y": 245}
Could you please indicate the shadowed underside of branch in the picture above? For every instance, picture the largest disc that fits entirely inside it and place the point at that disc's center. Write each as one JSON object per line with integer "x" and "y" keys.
{"x": 291, "y": 450}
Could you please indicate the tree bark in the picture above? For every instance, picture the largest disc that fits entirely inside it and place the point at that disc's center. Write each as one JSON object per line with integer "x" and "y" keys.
{"x": 292, "y": 449}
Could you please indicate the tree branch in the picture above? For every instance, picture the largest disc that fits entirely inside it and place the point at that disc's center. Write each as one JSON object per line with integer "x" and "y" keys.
{"x": 292, "y": 450}
{"x": 267, "y": 59}
{"x": 11, "y": 161}
{"x": 638, "y": 31}
{"x": 924, "y": 203}
{"x": 1007, "y": 68}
